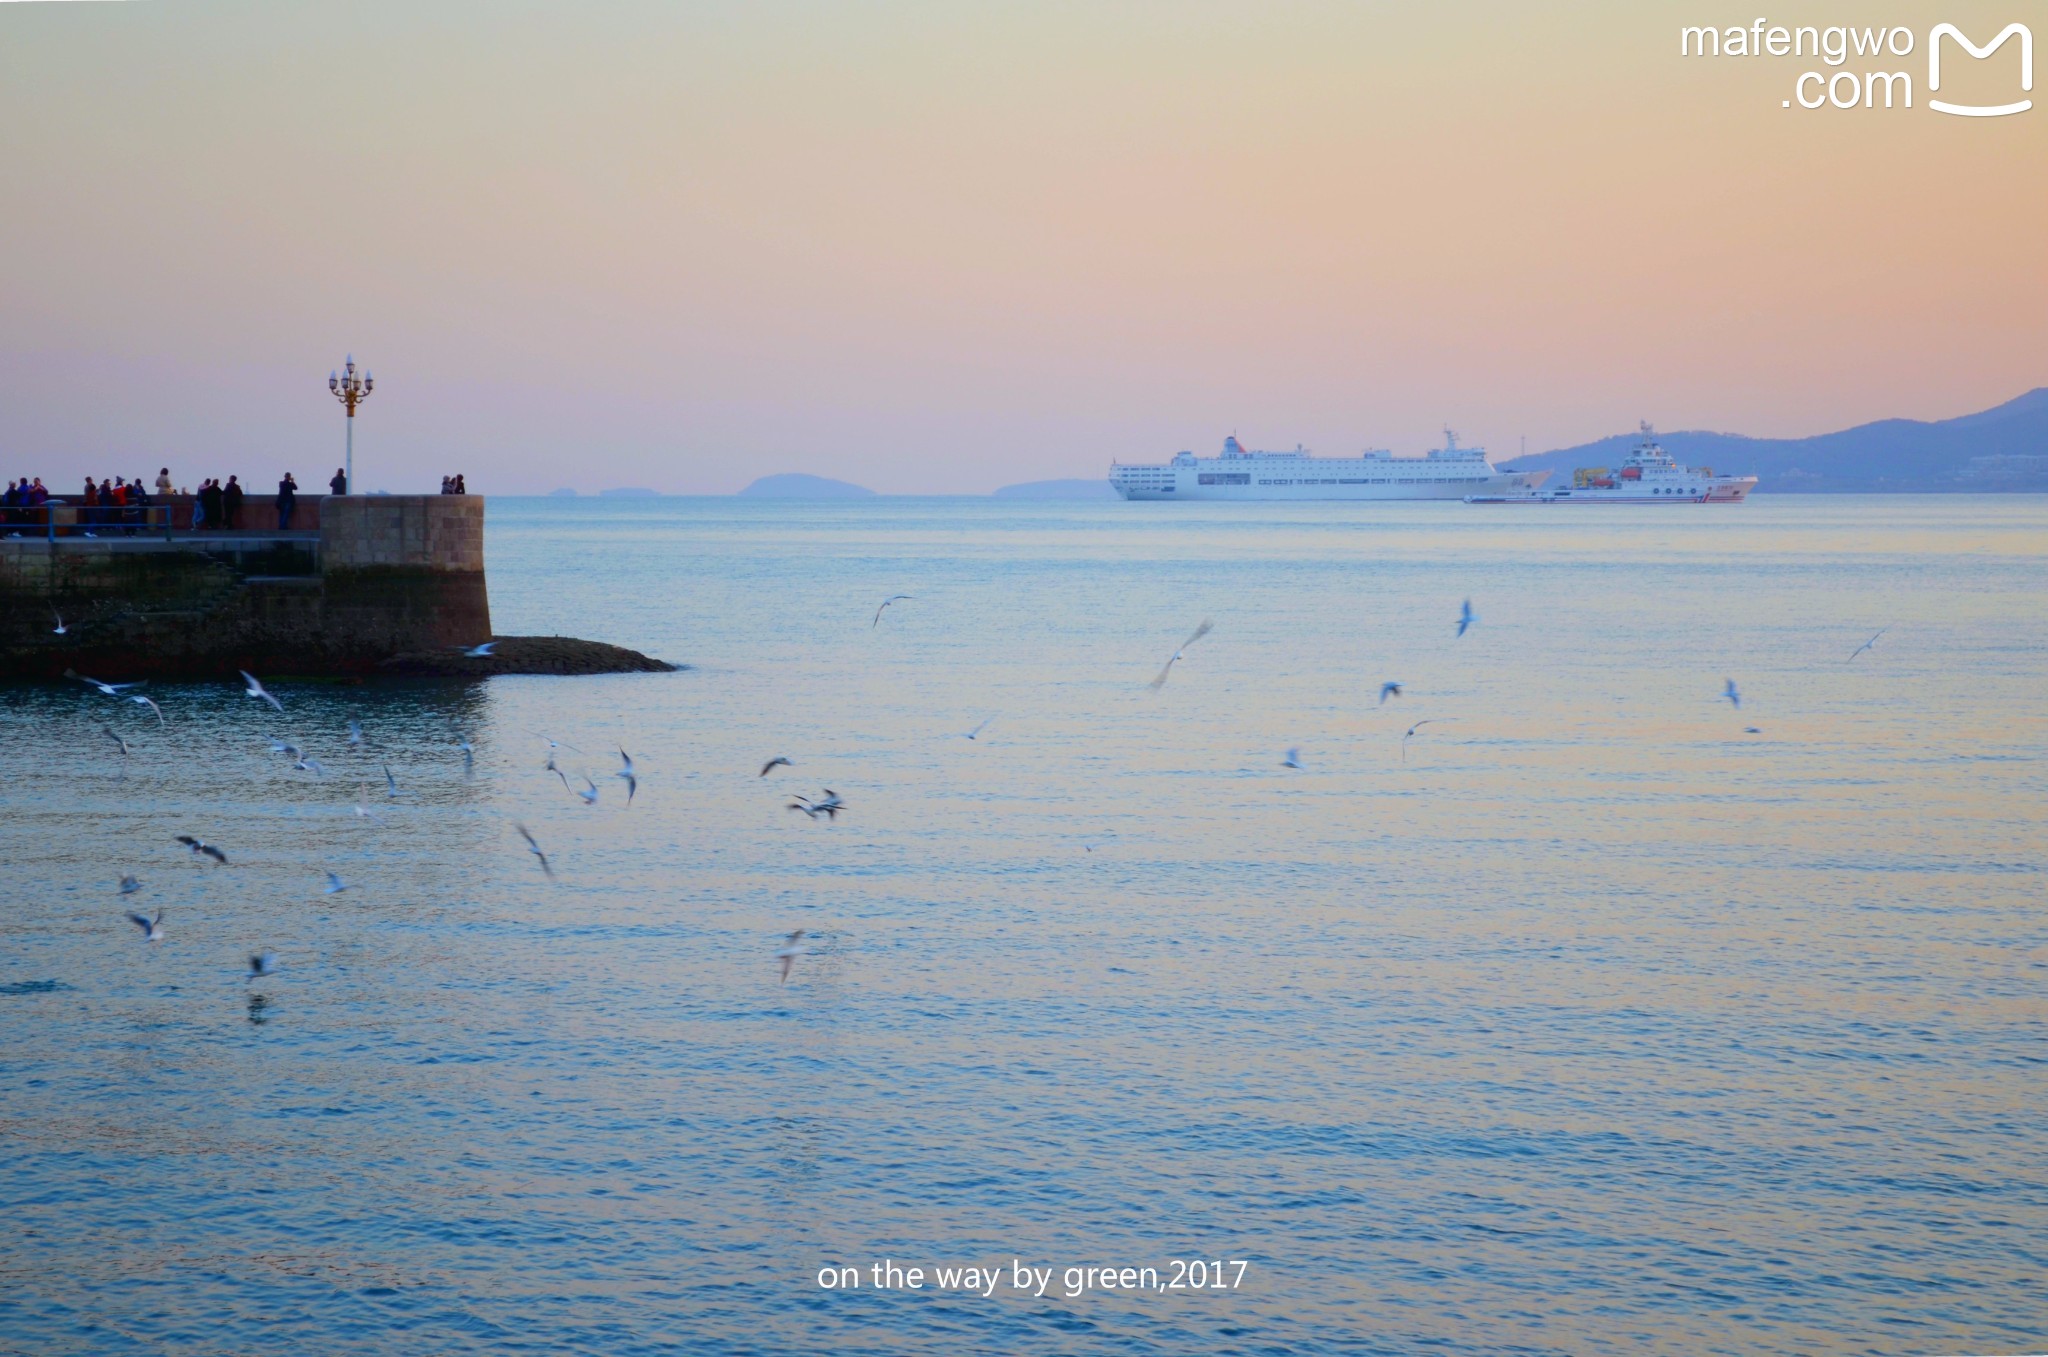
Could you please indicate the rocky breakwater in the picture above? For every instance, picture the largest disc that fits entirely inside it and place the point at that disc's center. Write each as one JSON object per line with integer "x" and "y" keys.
{"x": 387, "y": 584}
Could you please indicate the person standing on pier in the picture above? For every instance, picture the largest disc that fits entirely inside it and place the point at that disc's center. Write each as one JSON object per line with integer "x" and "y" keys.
{"x": 231, "y": 504}
{"x": 163, "y": 482}
{"x": 209, "y": 503}
{"x": 287, "y": 500}
{"x": 339, "y": 485}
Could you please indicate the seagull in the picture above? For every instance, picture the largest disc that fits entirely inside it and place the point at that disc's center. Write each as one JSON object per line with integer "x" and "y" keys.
{"x": 468, "y": 753}
{"x": 312, "y": 766}
{"x": 152, "y": 929}
{"x": 1852, "y": 654}
{"x": 110, "y": 689}
{"x": 1293, "y": 759}
{"x": 288, "y": 750}
{"x": 554, "y": 744}
{"x": 976, "y": 732}
{"x": 1387, "y": 690}
{"x": 478, "y": 652}
{"x": 828, "y": 805}
{"x": 261, "y": 964}
{"x": 589, "y": 797}
{"x": 390, "y": 782}
{"x": 199, "y": 846}
{"x": 130, "y": 885}
{"x": 60, "y": 622}
{"x": 355, "y": 733}
{"x": 1174, "y": 659}
{"x": 1733, "y": 694}
{"x": 256, "y": 689}
{"x": 632, "y": 783}
{"x": 534, "y": 849}
{"x": 1466, "y": 618}
{"x": 893, "y": 598}
{"x": 1418, "y": 726}
{"x": 777, "y": 762}
{"x": 335, "y": 885}
{"x": 363, "y": 812}
{"x": 109, "y": 732}
{"x": 791, "y": 950}
{"x": 139, "y": 699}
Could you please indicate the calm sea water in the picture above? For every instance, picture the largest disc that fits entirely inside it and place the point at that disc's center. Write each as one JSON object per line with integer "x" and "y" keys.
{"x": 1598, "y": 1025}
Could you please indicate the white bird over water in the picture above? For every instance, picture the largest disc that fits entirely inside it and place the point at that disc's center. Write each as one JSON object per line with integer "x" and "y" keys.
{"x": 632, "y": 782}
{"x": 777, "y": 762}
{"x": 261, "y": 964}
{"x": 355, "y": 733}
{"x": 792, "y": 948}
{"x": 111, "y": 734}
{"x": 828, "y": 805}
{"x": 975, "y": 734}
{"x": 155, "y": 710}
{"x": 554, "y": 744}
{"x": 468, "y": 752}
{"x": 335, "y": 885}
{"x": 1466, "y": 618}
{"x": 257, "y": 690}
{"x": 59, "y": 631}
{"x": 130, "y": 885}
{"x": 480, "y": 652}
{"x": 110, "y": 689}
{"x": 390, "y": 782}
{"x": 312, "y": 766}
{"x": 152, "y": 929}
{"x": 1387, "y": 690}
{"x": 1175, "y": 658}
{"x": 1852, "y": 654}
{"x": 1733, "y": 694}
{"x": 290, "y": 751}
{"x": 589, "y": 797}
{"x": 893, "y": 598}
{"x": 1293, "y": 759}
{"x": 199, "y": 846}
{"x": 1418, "y": 726}
{"x": 534, "y": 848}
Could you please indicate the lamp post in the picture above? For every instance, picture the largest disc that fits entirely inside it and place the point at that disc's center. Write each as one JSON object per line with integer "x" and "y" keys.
{"x": 351, "y": 391}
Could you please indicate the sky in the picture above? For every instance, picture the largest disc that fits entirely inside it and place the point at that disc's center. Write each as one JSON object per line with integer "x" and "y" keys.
{"x": 943, "y": 247}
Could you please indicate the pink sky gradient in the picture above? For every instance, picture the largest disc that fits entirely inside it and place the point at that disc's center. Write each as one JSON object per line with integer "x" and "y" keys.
{"x": 944, "y": 247}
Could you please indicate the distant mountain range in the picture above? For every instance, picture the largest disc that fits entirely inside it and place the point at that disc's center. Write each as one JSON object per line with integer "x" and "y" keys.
{"x": 2003, "y": 448}
{"x": 797, "y": 485}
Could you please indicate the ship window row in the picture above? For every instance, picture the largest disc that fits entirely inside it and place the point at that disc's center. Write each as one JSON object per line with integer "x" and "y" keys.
{"x": 1225, "y": 478}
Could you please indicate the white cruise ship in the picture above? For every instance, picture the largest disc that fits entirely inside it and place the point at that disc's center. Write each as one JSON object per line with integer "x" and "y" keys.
{"x": 1450, "y": 472}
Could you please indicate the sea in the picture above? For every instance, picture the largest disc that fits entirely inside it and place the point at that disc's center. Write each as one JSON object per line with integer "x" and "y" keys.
{"x": 1555, "y": 1005}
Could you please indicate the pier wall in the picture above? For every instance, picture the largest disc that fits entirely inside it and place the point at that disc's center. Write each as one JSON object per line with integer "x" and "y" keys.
{"x": 383, "y": 576}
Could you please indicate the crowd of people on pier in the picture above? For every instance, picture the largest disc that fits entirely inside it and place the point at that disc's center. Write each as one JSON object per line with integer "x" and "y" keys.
{"x": 125, "y": 504}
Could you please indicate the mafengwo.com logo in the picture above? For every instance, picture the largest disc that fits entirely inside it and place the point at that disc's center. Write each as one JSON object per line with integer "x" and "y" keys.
{"x": 1853, "y": 58}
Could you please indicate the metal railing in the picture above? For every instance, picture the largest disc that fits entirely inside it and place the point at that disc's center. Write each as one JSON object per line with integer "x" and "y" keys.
{"x": 59, "y": 520}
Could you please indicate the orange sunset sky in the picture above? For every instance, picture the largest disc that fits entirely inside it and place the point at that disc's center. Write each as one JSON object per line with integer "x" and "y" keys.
{"x": 944, "y": 247}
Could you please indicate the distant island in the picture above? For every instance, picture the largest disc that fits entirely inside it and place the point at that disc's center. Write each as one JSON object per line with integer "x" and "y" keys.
{"x": 2003, "y": 448}
{"x": 627, "y": 492}
{"x": 1067, "y": 489}
{"x": 797, "y": 485}
{"x": 564, "y": 493}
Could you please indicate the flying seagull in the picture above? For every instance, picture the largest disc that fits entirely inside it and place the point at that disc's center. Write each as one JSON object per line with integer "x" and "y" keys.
{"x": 1733, "y": 694}
{"x": 975, "y": 734}
{"x": 534, "y": 849}
{"x": 199, "y": 846}
{"x": 390, "y": 782}
{"x": 1418, "y": 726}
{"x": 313, "y": 766}
{"x": 109, "y": 732}
{"x": 589, "y": 797}
{"x": 152, "y": 929}
{"x": 363, "y": 812}
{"x": 1466, "y": 618}
{"x": 777, "y": 762}
{"x": 1293, "y": 759}
{"x": 261, "y": 964}
{"x": 335, "y": 885}
{"x": 893, "y": 598}
{"x": 1174, "y": 659}
{"x": 791, "y": 950}
{"x": 554, "y": 744}
{"x": 110, "y": 689}
{"x": 829, "y": 805}
{"x": 60, "y": 621}
{"x": 632, "y": 782}
{"x": 130, "y": 885}
{"x": 1387, "y": 690}
{"x": 257, "y": 690}
{"x": 1852, "y": 654}
{"x": 468, "y": 753}
{"x": 478, "y": 652}
{"x": 355, "y": 733}
{"x": 290, "y": 751}
{"x": 140, "y": 700}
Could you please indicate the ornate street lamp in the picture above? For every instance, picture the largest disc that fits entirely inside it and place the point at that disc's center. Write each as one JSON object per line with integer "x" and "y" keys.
{"x": 351, "y": 391}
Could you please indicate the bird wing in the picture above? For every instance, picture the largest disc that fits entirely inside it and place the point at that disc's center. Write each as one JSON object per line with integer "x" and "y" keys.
{"x": 188, "y": 841}
{"x": 144, "y": 924}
